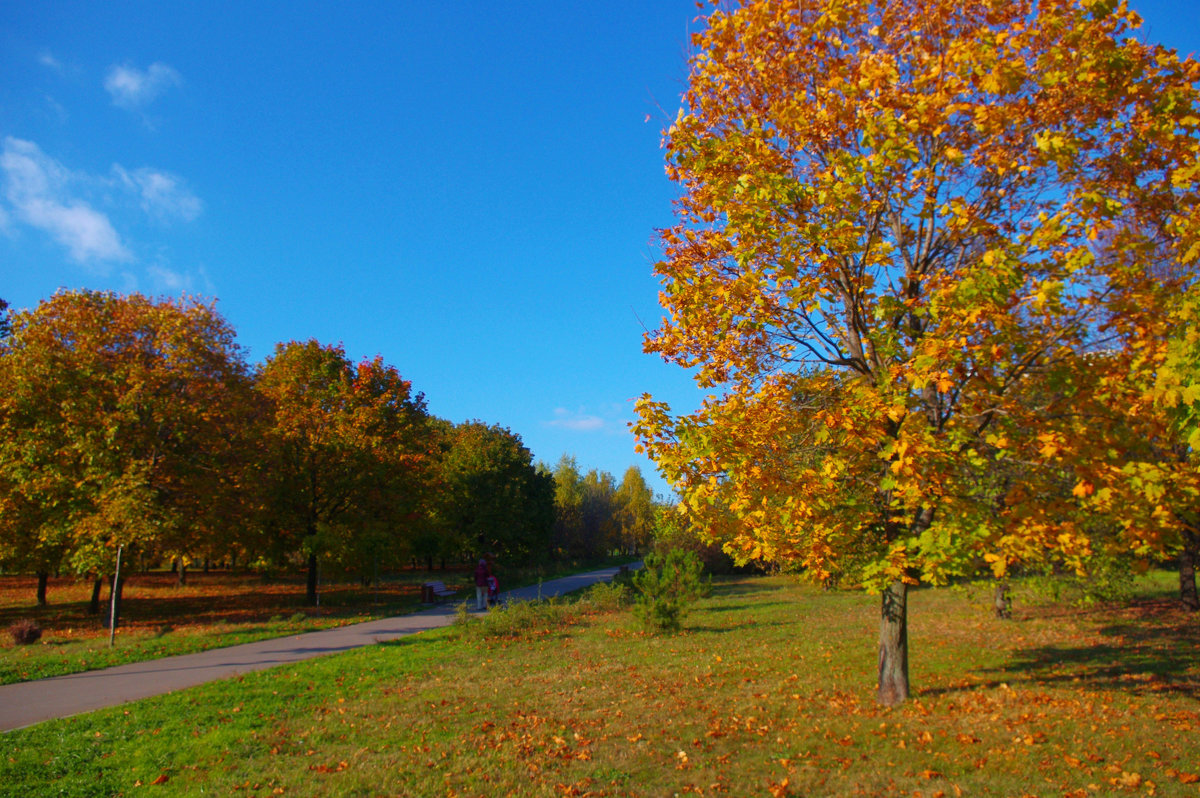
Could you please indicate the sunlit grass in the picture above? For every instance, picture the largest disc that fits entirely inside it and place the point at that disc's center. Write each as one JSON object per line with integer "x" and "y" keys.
{"x": 769, "y": 690}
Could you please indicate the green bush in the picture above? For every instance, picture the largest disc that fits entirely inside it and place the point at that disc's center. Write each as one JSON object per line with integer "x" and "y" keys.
{"x": 608, "y": 596}
{"x": 665, "y": 587}
{"x": 524, "y": 620}
{"x": 1109, "y": 579}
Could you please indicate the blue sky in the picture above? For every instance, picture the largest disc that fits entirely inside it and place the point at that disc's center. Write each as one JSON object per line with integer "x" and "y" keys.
{"x": 468, "y": 189}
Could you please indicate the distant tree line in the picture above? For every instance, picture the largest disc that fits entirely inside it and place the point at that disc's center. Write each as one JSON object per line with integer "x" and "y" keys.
{"x": 132, "y": 422}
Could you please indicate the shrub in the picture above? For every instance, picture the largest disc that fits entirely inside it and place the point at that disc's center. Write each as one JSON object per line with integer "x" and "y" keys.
{"x": 666, "y": 585}
{"x": 517, "y": 620}
{"x": 1109, "y": 580}
{"x": 462, "y": 616}
{"x": 608, "y": 596}
{"x": 25, "y": 632}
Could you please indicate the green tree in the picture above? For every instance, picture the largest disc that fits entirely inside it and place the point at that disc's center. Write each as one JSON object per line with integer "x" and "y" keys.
{"x": 493, "y": 499}
{"x": 666, "y": 586}
{"x": 601, "y": 526}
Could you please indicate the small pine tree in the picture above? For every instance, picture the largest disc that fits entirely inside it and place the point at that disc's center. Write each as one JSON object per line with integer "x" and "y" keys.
{"x": 665, "y": 587}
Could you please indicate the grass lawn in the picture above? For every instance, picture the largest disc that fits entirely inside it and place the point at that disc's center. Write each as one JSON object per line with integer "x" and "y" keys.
{"x": 160, "y": 618}
{"x": 767, "y": 691}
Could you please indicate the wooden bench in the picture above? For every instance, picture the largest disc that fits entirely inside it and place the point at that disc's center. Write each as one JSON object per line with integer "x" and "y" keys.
{"x": 436, "y": 591}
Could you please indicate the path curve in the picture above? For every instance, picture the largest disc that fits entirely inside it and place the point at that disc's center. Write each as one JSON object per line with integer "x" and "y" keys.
{"x": 27, "y": 703}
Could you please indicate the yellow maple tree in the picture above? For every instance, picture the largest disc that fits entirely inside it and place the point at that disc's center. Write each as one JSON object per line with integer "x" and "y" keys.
{"x": 905, "y": 230}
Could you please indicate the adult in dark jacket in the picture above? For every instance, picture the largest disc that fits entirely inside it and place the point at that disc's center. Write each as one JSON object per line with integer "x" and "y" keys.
{"x": 482, "y": 572}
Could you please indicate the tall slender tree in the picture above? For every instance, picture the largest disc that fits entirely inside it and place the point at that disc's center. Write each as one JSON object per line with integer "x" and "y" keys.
{"x": 636, "y": 511}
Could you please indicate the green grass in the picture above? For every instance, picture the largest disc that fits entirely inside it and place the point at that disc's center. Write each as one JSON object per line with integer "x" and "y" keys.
{"x": 768, "y": 690}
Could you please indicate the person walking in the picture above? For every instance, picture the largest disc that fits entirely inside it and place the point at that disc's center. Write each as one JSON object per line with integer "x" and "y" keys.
{"x": 482, "y": 572}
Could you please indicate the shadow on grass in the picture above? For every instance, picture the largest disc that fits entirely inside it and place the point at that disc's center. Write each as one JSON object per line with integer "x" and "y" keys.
{"x": 1151, "y": 648}
{"x": 755, "y": 607}
{"x": 740, "y": 588}
{"x": 687, "y": 627}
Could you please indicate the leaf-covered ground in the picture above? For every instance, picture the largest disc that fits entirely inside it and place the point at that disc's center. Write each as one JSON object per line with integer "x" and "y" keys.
{"x": 768, "y": 691}
{"x": 160, "y": 617}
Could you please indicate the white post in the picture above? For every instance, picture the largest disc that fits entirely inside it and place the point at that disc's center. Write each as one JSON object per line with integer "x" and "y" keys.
{"x": 112, "y": 612}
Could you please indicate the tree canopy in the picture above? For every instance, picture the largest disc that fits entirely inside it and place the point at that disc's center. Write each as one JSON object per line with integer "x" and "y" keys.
{"x": 888, "y": 268}
{"x": 122, "y": 417}
{"x": 131, "y": 421}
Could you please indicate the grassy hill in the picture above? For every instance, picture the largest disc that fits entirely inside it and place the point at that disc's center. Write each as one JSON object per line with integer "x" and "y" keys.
{"x": 768, "y": 691}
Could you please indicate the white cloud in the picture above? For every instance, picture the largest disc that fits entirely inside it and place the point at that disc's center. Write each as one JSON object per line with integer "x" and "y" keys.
{"x": 36, "y": 186}
{"x": 168, "y": 280}
{"x": 46, "y": 59}
{"x": 578, "y": 421}
{"x": 56, "y": 109}
{"x": 162, "y": 194}
{"x": 133, "y": 89}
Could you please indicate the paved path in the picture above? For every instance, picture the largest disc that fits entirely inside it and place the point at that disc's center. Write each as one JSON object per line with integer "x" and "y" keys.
{"x": 27, "y": 703}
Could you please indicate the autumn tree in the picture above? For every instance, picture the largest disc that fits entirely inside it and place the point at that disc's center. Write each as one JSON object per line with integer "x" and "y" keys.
{"x": 568, "y": 507}
{"x": 1153, "y": 487}
{"x": 121, "y": 417}
{"x": 344, "y": 455}
{"x": 635, "y": 510}
{"x": 883, "y": 271}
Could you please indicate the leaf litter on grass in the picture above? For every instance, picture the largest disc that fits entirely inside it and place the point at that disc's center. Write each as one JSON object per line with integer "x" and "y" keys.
{"x": 773, "y": 698}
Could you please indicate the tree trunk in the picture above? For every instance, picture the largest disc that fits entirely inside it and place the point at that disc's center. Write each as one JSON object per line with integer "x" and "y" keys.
{"x": 1187, "y": 574}
{"x": 181, "y": 574}
{"x": 43, "y": 578}
{"x": 893, "y": 646}
{"x": 1002, "y": 601}
{"x": 94, "y": 604}
{"x": 311, "y": 595}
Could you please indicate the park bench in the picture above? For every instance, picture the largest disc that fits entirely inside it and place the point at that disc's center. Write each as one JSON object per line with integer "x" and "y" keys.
{"x": 433, "y": 592}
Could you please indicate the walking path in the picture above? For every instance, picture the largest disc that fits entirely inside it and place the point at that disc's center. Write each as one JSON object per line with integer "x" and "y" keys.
{"x": 27, "y": 703}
